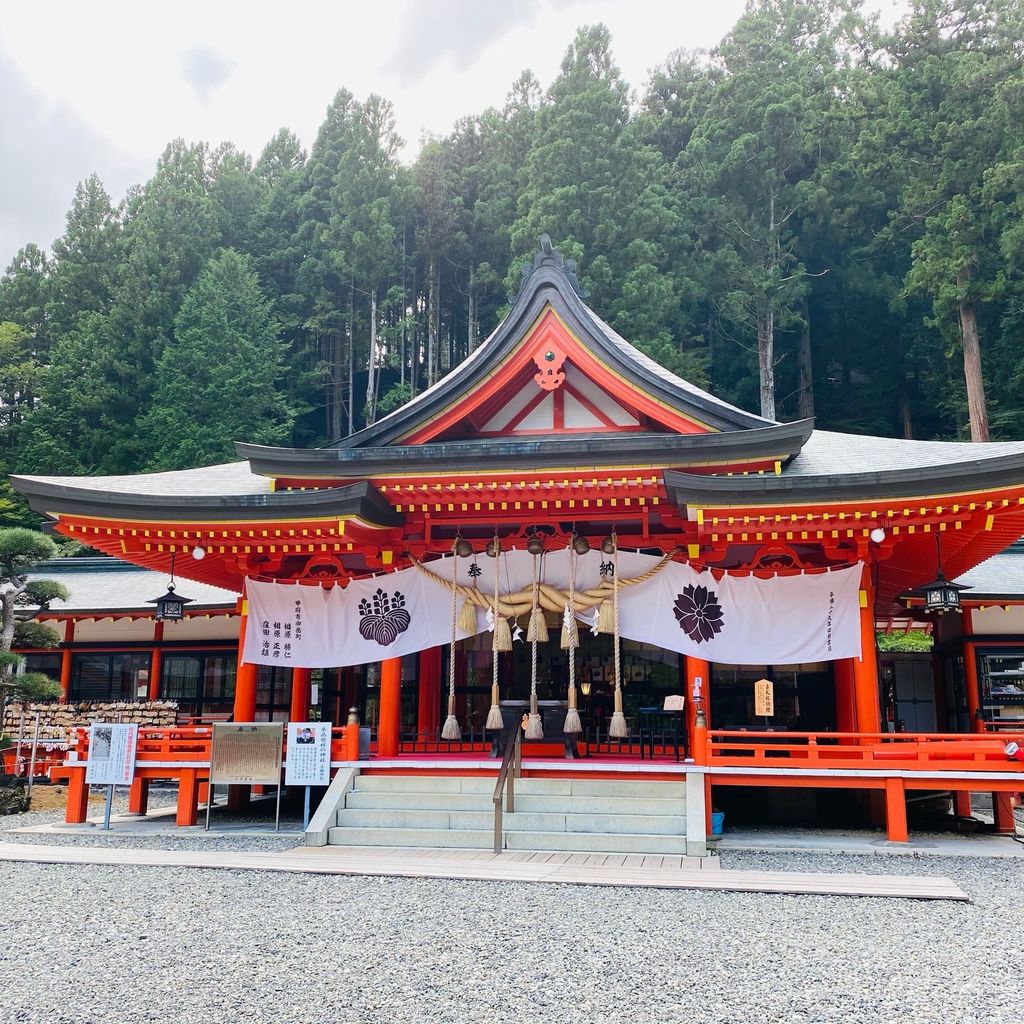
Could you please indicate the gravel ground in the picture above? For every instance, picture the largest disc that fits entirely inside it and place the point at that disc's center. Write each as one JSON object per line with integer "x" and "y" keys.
{"x": 99, "y": 944}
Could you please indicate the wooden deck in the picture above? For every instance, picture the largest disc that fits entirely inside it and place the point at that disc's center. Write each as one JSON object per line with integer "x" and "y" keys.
{"x": 633, "y": 871}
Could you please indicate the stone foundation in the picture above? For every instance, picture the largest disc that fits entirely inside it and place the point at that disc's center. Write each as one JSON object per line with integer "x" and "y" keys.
{"x": 55, "y": 720}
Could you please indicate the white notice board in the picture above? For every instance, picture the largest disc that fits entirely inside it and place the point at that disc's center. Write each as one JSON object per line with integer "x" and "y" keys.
{"x": 111, "y": 754}
{"x": 246, "y": 753}
{"x": 309, "y": 754}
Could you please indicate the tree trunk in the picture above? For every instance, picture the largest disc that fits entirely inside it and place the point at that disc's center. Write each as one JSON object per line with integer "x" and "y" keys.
{"x": 976, "y": 406}
{"x": 337, "y": 372}
{"x": 906, "y": 421}
{"x": 805, "y": 407}
{"x": 766, "y": 361}
{"x": 371, "y": 363}
{"x": 7, "y": 620}
{"x": 431, "y": 322}
{"x": 471, "y": 326}
{"x": 351, "y": 354}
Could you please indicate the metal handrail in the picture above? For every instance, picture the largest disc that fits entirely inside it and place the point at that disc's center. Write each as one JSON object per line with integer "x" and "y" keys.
{"x": 511, "y": 769}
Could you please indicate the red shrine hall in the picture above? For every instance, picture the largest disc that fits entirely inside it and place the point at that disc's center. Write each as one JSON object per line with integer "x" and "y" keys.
{"x": 542, "y": 495}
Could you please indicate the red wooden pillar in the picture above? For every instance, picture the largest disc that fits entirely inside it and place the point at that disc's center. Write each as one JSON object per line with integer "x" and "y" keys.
{"x": 1002, "y": 811}
{"x": 429, "y": 693}
{"x": 846, "y": 707}
{"x": 188, "y": 797}
{"x": 390, "y": 707}
{"x": 156, "y": 663}
{"x": 301, "y": 691}
{"x": 697, "y": 669}
{"x": 65, "y": 661}
{"x": 896, "y": 811}
{"x": 244, "y": 711}
{"x": 78, "y": 797}
{"x": 971, "y": 684}
{"x": 138, "y": 796}
{"x": 962, "y": 803}
{"x": 865, "y": 669}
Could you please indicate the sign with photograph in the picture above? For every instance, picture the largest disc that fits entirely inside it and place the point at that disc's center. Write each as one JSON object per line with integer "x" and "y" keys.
{"x": 309, "y": 754}
{"x": 111, "y": 754}
{"x": 764, "y": 698}
{"x": 246, "y": 753}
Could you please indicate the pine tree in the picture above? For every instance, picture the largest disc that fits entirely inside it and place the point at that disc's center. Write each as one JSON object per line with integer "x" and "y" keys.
{"x": 218, "y": 378}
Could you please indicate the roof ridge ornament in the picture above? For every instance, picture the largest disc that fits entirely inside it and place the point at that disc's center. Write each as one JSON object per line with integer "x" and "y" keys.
{"x": 548, "y": 256}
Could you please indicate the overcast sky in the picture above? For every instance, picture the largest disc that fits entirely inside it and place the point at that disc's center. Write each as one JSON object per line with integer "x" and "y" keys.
{"x": 103, "y": 86}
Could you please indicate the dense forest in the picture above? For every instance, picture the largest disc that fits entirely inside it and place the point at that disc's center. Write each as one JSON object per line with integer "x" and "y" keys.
{"x": 818, "y": 217}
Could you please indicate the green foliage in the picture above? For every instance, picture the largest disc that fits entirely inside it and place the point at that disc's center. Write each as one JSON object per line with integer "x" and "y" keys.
{"x": 217, "y": 379}
{"x": 916, "y": 641}
{"x": 800, "y": 219}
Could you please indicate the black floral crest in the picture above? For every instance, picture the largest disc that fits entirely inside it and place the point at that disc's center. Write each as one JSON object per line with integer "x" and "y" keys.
{"x": 699, "y": 614}
{"x": 383, "y": 619}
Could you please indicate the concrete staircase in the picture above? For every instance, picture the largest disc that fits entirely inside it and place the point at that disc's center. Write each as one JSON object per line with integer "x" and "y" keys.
{"x": 564, "y": 814}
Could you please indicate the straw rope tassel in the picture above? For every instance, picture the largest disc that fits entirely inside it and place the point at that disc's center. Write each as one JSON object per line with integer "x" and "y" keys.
{"x": 572, "y": 716}
{"x": 617, "y": 728}
{"x": 534, "y": 726}
{"x": 451, "y": 730}
{"x": 494, "y": 720}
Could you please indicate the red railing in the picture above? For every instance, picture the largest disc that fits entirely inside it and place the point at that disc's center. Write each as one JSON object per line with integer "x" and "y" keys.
{"x": 825, "y": 750}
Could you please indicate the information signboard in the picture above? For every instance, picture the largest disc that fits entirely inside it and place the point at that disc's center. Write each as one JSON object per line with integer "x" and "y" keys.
{"x": 674, "y": 702}
{"x": 111, "y": 754}
{"x": 764, "y": 698}
{"x": 246, "y": 754}
{"x": 309, "y": 754}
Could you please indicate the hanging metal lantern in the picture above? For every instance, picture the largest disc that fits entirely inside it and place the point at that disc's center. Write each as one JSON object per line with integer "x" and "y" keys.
{"x": 170, "y": 607}
{"x": 941, "y": 595}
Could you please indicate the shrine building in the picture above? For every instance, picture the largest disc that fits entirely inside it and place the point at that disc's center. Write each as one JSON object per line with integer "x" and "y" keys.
{"x": 558, "y": 437}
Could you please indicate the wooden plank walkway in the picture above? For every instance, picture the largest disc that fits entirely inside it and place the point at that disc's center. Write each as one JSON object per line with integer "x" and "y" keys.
{"x": 481, "y": 865}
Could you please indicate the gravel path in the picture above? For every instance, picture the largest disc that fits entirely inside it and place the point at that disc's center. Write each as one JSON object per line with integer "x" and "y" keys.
{"x": 96, "y": 944}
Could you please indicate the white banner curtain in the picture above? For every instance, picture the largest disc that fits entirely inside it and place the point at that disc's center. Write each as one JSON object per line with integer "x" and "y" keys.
{"x": 734, "y": 619}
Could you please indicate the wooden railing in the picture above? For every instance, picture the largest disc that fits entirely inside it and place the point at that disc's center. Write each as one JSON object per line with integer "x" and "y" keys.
{"x": 825, "y": 750}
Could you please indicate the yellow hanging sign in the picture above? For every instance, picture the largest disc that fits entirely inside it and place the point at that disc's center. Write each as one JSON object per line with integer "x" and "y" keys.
{"x": 764, "y": 698}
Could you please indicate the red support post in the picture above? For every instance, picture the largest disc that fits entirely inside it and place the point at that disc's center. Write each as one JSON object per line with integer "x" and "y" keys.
{"x": 697, "y": 669}
{"x": 138, "y": 796}
{"x": 429, "y": 692}
{"x": 65, "y": 661}
{"x": 390, "y": 714}
{"x": 896, "y": 811}
{"x": 846, "y": 707}
{"x": 865, "y": 669}
{"x": 155, "y": 662}
{"x": 78, "y": 797}
{"x": 962, "y": 803}
{"x": 1002, "y": 811}
{"x": 301, "y": 691}
{"x": 188, "y": 797}
{"x": 245, "y": 705}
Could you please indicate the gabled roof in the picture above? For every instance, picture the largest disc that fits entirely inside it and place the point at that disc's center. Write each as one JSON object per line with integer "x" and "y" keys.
{"x": 551, "y": 284}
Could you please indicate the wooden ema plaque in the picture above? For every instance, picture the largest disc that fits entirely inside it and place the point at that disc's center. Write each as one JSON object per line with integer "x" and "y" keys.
{"x": 764, "y": 698}
{"x": 246, "y": 754}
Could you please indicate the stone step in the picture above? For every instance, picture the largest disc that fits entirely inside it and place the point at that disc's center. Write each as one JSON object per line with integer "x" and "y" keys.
{"x": 483, "y": 839}
{"x": 381, "y": 800}
{"x": 425, "y": 783}
{"x": 464, "y": 839}
{"x": 533, "y": 786}
{"x": 391, "y": 818}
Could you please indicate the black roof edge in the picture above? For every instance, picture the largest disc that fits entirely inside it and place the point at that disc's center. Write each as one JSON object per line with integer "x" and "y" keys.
{"x": 358, "y": 498}
{"x": 691, "y": 488}
{"x": 782, "y": 441}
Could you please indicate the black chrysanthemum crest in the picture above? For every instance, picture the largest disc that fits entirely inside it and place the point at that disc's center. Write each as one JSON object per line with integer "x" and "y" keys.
{"x": 698, "y": 613}
{"x": 385, "y": 619}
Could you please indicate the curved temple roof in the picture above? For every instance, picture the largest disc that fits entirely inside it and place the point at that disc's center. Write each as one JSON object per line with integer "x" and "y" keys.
{"x": 810, "y": 465}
